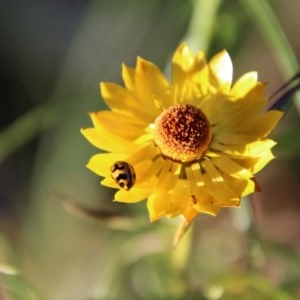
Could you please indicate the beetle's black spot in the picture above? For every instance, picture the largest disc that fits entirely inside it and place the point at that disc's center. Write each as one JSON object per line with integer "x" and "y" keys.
{"x": 118, "y": 166}
{"x": 129, "y": 185}
{"x": 122, "y": 184}
{"x": 122, "y": 177}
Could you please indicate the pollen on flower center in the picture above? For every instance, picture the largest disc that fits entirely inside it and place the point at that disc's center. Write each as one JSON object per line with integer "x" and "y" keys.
{"x": 182, "y": 132}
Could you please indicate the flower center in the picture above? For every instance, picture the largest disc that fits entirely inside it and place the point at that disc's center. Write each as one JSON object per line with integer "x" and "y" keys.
{"x": 182, "y": 132}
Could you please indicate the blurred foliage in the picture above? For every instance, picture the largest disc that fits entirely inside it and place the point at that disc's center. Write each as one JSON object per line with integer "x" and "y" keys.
{"x": 61, "y": 237}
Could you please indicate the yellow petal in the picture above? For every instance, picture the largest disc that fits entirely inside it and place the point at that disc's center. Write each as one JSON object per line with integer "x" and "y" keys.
{"x": 240, "y": 114}
{"x": 131, "y": 196}
{"x": 152, "y": 86}
{"x": 100, "y": 117}
{"x": 264, "y": 124}
{"x": 255, "y": 164}
{"x": 144, "y": 179}
{"x": 215, "y": 184}
{"x": 171, "y": 201}
{"x": 254, "y": 149}
{"x": 156, "y": 207}
{"x": 233, "y": 138}
{"x": 208, "y": 205}
{"x": 240, "y": 186}
{"x": 183, "y": 61}
{"x": 189, "y": 75}
{"x": 103, "y": 139}
{"x": 158, "y": 203}
{"x": 166, "y": 182}
{"x": 122, "y": 100}
{"x": 221, "y": 71}
{"x": 215, "y": 107}
{"x": 190, "y": 213}
{"x": 146, "y": 152}
{"x": 244, "y": 84}
{"x": 194, "y": 176}
{"x": 147, "y": 84}
{"x": 118, "y": 98}
{"x": 250, "y": 123}
{"x": 118, "y": 124}
{"x": 202, "y": 201}
{"x": 181, "y": 196}
{"x": 230, "y": 167}
{"x": 101, "y": 163}
{"x": 109, "y": 182}
{"x": 156, "y": 166}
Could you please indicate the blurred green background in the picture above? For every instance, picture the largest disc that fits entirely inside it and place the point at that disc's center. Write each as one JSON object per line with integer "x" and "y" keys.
{"x": 53, "y": 55}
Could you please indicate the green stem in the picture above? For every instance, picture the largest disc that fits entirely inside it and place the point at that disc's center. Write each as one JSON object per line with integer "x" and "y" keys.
{"x": 201, "y": 24}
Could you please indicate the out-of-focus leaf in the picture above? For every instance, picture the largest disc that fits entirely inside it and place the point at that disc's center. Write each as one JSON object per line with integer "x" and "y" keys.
{"x": 25, "y": 128}
{"x": 15, "y": 287}
{"x": 285, "y": 94}
{"x": 289, "y": 141}
{"x": 248, "y": 285}
{"x": 271, "y": 30}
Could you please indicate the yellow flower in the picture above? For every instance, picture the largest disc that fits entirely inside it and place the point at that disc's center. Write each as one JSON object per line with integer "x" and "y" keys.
{"x": 195, "y": 142}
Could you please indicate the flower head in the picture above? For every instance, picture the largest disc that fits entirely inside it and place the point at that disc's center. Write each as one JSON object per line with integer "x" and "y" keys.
{"x": 193, "y": 143}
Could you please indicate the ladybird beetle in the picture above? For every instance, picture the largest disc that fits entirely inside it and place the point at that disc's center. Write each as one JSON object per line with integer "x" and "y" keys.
{"x": 124, "y": 175}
